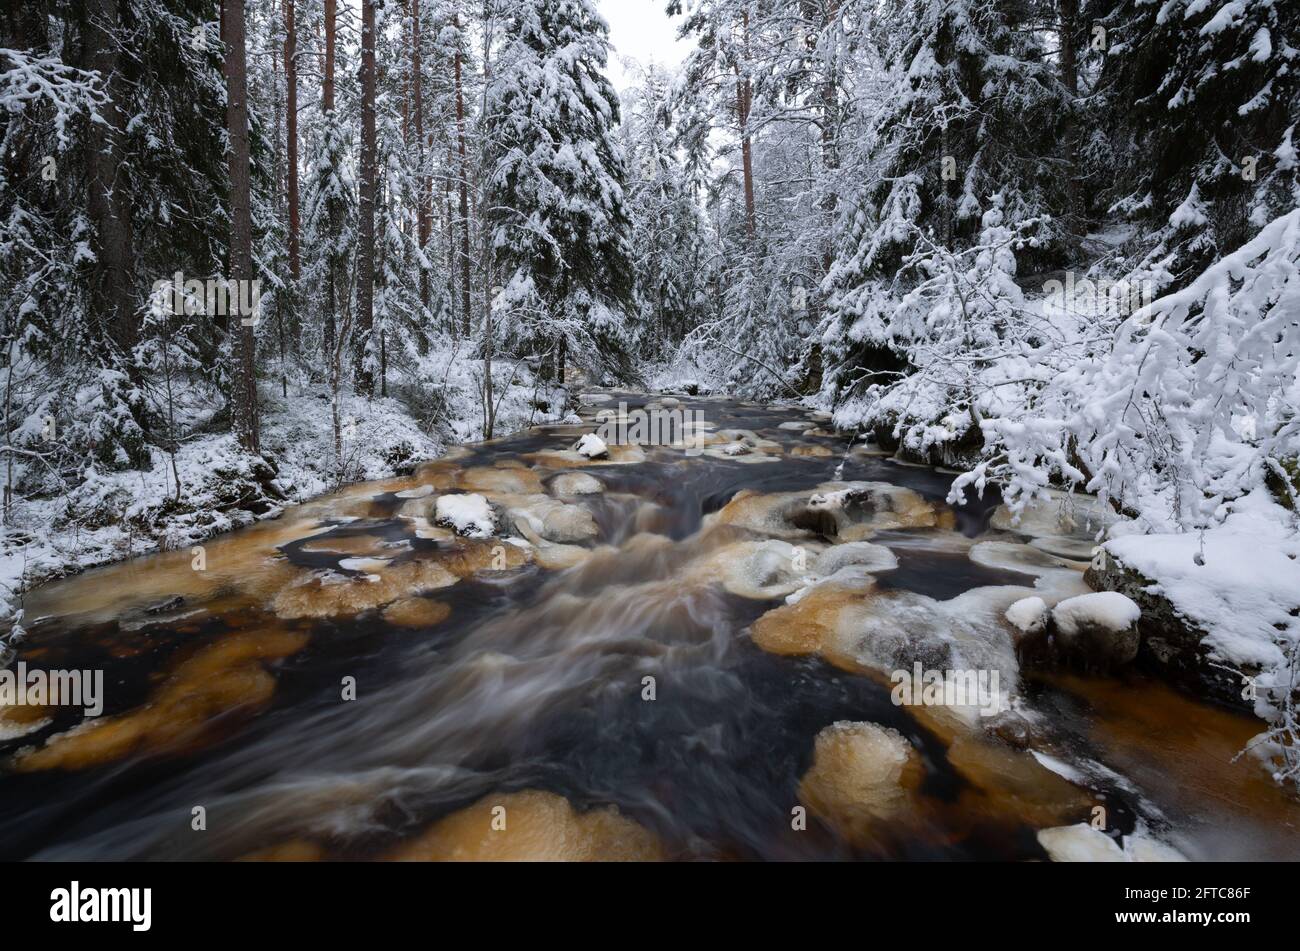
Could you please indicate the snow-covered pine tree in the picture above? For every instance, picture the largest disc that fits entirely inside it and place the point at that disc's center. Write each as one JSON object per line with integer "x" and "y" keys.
{"x": 671, "y": 246}
{"x": 556, "y": 192}
{"x": 108, "y": 206}
{"x": 765, "y": 81}
{"x": 969, "y": 111}
{"x": 402, "y": 325}
{"x": 1199, "y": 101}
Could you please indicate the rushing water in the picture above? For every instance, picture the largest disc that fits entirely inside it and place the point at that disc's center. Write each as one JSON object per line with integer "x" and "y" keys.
{"x": 507, "y": 682}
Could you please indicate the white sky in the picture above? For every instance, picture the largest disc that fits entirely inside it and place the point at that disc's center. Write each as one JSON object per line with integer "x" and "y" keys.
{"x": 640, "y": 30}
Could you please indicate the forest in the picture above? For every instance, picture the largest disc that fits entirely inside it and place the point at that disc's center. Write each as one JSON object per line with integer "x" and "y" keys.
{"x": 256, "y": 251}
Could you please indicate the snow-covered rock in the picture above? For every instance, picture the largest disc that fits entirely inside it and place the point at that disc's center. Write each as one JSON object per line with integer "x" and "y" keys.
{"x": 1228, "y": 597}
{"x": 1098, "y": 629}
{"x": 592, "y": 446}
{"x": 470, "y": 515}
{"x": 1028, "y": 615}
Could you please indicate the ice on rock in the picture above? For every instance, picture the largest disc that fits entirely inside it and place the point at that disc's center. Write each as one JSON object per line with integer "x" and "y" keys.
{"x": 1062, "y": 546}
{"x": 858, "y": 627}
{"x": 576, "y": 483}
{"x": 900, "y": 628}
{"x": 419, "y": 492}
{"x": 870, "y": 556}
{"x": 1142, "y": 848}
{"x": 1083, "y": 843}
{"x": 427, "y": 531}
{"x": 329, "y": 594}
{"x": 797, "y": 425}
{"x": 1060, "y": 514}
{"x": 491, "y": 479}
{"x": 617, "y": 455}
{"x": 846, "y": 511}
{"x": 470, "y": 515}
{"x": 1056, "y": 577}
{"x": 542, "y": 827}
{"x": 592, "y": 446}
{"x": 416, "y": 612}
{"x": 815, "y": 452}
{"x": 759, "y": 570}
{"x": 862, "y": 780}
{"x": 363, "y": 565}
{"x": 1079, "y": 843}
{"x": 540, "y": 518}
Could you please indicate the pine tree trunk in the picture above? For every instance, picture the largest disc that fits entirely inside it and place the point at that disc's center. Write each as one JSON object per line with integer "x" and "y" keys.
{"x": 366, "y": 237}
{"x": 108, "y": 200}
{"x": 291, "y": 137}
{"x": 450, "y": 239}
{"x": 327, "y": 105}
{"x": 830, "y": 96}
{"x": 744, "y": 100}
{"x": 464, "y": 190}
{"x": 281, "y": 189}
{"x": 423, "y": 212}
{"x": 1069, "y": 73}
{"x": 243, "y": 370}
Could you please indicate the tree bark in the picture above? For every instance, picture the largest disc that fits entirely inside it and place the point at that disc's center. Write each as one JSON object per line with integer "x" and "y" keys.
{"x": 744, "y": 102}
{"x": 291, "y": 136}
{"x": 108, "y": 201}
{"x": 327, "y": 106}
{"x": 243, "y": 371}
{"x": 1068, "y": 13}
{"x": 423, "y": 212}
{"x": 366, "y": 229}
{"x": 465, "y": 289}
{"x": 449, "y": 228}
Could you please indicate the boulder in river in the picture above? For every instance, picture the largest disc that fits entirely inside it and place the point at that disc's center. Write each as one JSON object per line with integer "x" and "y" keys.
{"x": 862, "y": 780}
{"x": 568, "y": 484}
{"x": 1173, "y": 647}
{"x": 1098, "y": 630}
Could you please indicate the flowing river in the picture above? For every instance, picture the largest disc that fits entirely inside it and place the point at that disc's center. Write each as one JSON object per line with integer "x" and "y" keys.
{"x": 662, "y": 654}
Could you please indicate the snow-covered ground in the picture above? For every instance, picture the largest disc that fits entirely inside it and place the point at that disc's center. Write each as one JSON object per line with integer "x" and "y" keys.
{"x": 111, "y": 516}
{"x": 1238, "y": 581}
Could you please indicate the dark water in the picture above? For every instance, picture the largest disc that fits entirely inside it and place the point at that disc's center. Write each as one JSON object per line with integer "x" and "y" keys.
{"x": 534, "y": 681}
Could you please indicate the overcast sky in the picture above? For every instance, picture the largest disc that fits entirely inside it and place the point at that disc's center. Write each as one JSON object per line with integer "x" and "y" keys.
{"x": 640, "y": 30}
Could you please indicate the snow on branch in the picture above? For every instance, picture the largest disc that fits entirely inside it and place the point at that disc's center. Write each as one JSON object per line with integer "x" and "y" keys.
{"x": 31, "y": 80}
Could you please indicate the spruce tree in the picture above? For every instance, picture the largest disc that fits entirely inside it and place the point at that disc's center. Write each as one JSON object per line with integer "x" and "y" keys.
{"x": 556, "y": 192}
